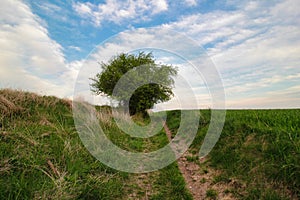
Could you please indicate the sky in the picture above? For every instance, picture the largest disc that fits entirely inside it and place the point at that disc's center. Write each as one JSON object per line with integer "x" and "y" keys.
{"x": 254, "y": 45}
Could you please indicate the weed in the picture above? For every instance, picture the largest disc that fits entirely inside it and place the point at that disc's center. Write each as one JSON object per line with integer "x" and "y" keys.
{"x": 192, "y": 158}
{"x": 211, "y": 194}
{"x": 203, "y": 180}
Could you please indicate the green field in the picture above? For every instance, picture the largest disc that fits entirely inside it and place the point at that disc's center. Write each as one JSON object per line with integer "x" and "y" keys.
{"x": 42, "y": 156}
{"x": 258, "y": 149}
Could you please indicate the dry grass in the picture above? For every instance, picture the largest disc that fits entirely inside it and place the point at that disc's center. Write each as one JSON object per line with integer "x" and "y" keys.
{"x": 7, "y": 107}
{"x": 17, "y": 102}
{"x": 105, "y": 116}
{"x": 5, "y": 166}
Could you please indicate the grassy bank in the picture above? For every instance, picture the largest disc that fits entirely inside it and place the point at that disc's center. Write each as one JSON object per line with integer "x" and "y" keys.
{"x": 42, "y": 156}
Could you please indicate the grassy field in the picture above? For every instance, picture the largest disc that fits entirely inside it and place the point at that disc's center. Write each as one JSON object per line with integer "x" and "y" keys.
{"x": 258, "y": 152}
{"x": 42, "y": 156}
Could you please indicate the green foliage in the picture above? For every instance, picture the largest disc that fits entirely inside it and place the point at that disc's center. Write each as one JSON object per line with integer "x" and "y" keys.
{"x": 145, "y": 96}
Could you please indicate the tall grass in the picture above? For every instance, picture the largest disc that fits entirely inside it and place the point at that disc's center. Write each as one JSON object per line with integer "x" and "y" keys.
{"x": 42, "y": 156}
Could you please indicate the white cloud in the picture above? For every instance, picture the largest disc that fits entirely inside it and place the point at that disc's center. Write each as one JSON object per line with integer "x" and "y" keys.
{"x": 257, "y": 84}
{"x": 74, "y": 48}
{"x": 269, "y": 102}
{"x": 159, "y": 6}
{"x": 260, "y": 39}
{"x": 191, "y": 2}
{"x": 49, "y": 7}
{"x": 118, "y": 11}
{"x": 83, "y": 8}
{"x": 30, "y": 59}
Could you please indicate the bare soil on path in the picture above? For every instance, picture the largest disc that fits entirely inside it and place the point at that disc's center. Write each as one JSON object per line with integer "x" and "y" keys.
{"x": 200, "y": 178}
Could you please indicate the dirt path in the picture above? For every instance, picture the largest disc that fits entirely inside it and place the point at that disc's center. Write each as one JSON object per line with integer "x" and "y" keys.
{"x": 200, "y": 178}
{"x": 143, "y": 188}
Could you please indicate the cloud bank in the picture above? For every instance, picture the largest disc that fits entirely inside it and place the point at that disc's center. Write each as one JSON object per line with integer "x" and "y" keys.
{"x": 30, "y": 59}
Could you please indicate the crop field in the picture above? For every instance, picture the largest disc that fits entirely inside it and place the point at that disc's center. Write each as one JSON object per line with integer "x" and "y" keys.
{"x": 42, "y": 156}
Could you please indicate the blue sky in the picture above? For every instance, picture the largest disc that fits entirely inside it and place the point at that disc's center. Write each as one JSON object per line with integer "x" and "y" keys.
{"x": 255, "y": 45}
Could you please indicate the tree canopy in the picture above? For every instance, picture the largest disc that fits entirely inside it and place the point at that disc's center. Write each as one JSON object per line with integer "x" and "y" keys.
{"x": 136, "y": 69}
